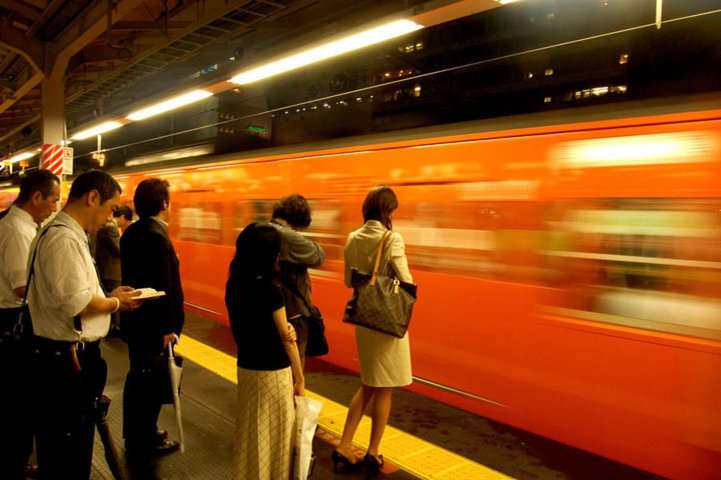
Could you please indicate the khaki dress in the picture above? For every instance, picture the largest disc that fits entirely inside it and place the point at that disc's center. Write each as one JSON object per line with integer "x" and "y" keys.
{"x": 385, "y": 360}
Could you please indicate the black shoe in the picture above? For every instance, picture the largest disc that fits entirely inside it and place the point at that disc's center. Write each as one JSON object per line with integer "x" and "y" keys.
{"x": 341, "y": 463}
{"x": 373, "y": 462}
{"x": 144, "y": 451}
{"x": 165, "y": 447}
{"x": 31, "y": 471}
{"x": 161, "y": 436}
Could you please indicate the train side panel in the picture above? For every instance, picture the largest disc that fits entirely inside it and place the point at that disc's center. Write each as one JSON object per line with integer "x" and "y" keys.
{"x": 537, "y": 254}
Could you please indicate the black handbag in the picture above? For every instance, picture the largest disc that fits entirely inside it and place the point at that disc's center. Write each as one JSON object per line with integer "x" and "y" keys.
{"x": 317, "y": 344}
{"x": 380, "y": 302}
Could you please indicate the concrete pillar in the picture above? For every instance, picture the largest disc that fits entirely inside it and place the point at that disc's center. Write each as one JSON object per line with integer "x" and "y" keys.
{"x": 53, "y": 121}
{"x": 53, "y": 110}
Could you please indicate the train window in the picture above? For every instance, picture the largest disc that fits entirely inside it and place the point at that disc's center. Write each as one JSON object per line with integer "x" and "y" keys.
{"x": 471, "y": 233}
{"x": 325, "y": 227}
{"x": 200, "y": 222}
{"x": 244, "y": 212}
{"x": 646, "y": 263}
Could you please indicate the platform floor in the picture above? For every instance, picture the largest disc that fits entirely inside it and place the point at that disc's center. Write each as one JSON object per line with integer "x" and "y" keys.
{"x": 426, "y": 439}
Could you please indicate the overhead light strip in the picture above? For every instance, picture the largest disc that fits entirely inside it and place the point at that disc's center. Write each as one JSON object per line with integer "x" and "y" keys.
{"x": 328, "y": 50}
{"x": 170, "y": 104}
{"x": 96, "y": 130}
{"x": 21, "y": 156}
{"x": 307, "y": 57}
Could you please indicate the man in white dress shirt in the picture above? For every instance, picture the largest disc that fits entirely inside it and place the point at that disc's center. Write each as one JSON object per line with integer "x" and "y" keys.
{"x": 70, "y": 314}
{"x": 39, "y": 194}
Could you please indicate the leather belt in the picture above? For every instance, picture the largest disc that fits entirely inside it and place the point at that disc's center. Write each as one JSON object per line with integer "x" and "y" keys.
{"x": 58, "y": 348}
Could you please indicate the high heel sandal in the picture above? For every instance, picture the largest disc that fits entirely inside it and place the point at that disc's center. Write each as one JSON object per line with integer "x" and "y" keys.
{"x": 340, "y": 460}
{"x": 371, "y": 461}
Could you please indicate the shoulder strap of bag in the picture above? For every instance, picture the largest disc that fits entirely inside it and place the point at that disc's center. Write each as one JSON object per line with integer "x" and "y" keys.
{"x": 386, "y": 235}
{"x": 18, "y": 324}
{"x": 295, "y": 292}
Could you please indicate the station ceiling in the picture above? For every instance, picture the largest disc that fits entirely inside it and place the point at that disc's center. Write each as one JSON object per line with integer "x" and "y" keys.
{"x": 113, "y": 52}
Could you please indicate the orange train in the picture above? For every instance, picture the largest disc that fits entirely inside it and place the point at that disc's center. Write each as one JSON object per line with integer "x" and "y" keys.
{"x": 569, "y": 265}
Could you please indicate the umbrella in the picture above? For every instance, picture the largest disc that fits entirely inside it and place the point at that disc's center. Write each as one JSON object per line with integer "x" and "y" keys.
{"x": 175, "y": 369}
{"x": 111, "y": 453}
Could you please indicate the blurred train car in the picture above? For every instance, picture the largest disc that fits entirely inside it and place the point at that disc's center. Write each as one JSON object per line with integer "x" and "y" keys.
{"x": 568, "y": 261}
{"x": 569, "y": 271}
{"x": 569, "y": 274}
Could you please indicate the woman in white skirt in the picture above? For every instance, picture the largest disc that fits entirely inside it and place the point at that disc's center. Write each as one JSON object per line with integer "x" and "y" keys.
{"x": 385, "y": 360}
{"x": 268, "y": 359}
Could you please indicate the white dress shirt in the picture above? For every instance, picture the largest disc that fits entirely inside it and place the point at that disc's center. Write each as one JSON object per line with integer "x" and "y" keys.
{"x": 63, "y": 284}
{"x": 17, "y": 231}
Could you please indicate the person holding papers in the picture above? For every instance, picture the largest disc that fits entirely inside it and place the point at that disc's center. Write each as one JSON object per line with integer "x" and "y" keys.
{"x": 70, "y": 314}
{"x": 148, "y": 260}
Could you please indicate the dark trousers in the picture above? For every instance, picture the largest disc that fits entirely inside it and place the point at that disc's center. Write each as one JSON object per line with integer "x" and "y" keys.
{"x": 66, "y": 408}
{"x": 16, "y": 417}
{"x": 143, "y": 395}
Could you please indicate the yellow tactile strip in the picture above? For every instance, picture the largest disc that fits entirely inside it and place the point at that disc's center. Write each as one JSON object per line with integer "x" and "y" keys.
{"x": 416, "y": 456}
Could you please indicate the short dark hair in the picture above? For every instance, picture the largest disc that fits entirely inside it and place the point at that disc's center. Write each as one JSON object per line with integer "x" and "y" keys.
{"x": 91, "y": 180}
{"x": 379, "y": 204}
{"x": 123, "y": 211}
{"x": 37, "y": 181}
{"x": 150, "y": 195}
{"x": 294, "y": 209}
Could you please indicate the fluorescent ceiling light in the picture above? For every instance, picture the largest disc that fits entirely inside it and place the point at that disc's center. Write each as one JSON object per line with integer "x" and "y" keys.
{"x": 329, "y": 50}
{"x": 21, "y": 156}
{"x": 503, "y": 2}
{"x": 96, "y": 130}
{"x": 171, "y": 104}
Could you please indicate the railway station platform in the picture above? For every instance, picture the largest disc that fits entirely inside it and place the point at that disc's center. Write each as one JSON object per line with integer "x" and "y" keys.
{"x": 425, "y": 438}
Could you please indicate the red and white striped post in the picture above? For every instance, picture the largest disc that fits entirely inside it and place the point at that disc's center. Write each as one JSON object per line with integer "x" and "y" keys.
{"x": 51, "y": 158}
{"x": 59, "y": 160}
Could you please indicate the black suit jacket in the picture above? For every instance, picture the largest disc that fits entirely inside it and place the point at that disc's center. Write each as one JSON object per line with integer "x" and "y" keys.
{"x": 107, "y": 251}
{"x": 148, "y": 259}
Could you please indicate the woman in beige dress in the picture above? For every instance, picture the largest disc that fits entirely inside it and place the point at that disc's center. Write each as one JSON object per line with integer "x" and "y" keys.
{"x": 385, "y": 360}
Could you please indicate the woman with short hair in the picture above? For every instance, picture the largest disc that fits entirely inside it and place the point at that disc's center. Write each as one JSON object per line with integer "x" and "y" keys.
{"x": 268, "y": 359}
{"x": 385, "y": 360}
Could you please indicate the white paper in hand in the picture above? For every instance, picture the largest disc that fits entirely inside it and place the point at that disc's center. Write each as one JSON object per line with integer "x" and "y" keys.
{"x": 148, "y": 293}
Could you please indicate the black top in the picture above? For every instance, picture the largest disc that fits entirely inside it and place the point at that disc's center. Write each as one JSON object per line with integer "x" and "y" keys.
{"x": 251, "y": 304}
{"x": 148, "y": 259}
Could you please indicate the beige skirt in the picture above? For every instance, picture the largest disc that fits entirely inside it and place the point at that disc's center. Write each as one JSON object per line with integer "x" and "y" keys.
{"x": 264, "y": 425}
{"x": 385, "y": 360}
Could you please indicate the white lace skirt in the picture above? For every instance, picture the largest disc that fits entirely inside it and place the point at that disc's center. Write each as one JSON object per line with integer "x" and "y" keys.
{"x": 264, "y": 425}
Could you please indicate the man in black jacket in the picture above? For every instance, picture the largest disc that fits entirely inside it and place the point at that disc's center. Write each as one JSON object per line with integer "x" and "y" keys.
{"x": 148, "y": 259}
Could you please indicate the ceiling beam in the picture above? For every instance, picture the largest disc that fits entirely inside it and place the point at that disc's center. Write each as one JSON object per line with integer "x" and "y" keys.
{"x": 5, "y": 85}
{"x": 23, "y": 9}
{"x": 16, "y": 41}
{"x": 10, "y": 133}
{"x": 9, "y": 59}
{"x": 148, "y": 25}
{"x": 48, "y": 12}
{"x": 85, "y": 28}
{"x": 21, "y": 91}
{"x": 210, "y": 11}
